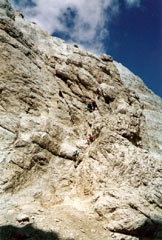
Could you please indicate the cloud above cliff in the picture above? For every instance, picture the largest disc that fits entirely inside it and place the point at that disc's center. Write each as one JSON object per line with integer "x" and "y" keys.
{"x": 131, "y": 3}
{"x": 84, "y": 22}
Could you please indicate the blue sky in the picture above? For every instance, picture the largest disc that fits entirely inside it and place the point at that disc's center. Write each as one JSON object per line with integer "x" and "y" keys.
{"x": 128, "y": 30}
{"x": 136, "y": 41}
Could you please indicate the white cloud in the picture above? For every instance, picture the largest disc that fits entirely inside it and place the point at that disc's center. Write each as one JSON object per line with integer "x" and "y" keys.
{"x": 131, "y": 3}
{"x": 84, "y": 21}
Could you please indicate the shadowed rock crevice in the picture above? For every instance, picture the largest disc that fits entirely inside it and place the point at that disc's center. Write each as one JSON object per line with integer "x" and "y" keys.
{"x": 10, "y": 232}
{"x": 150, "y": 229}
{"x": 134, "y": 139}
{"x": 61, "y": 76}
{"x": 108, "y": 99}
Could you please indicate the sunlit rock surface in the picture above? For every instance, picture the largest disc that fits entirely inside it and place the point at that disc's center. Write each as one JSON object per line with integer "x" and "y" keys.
{"x": 113, "y": 190}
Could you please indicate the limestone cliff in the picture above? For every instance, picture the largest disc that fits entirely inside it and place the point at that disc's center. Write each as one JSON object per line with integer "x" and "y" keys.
{"x": 113, "y": 189}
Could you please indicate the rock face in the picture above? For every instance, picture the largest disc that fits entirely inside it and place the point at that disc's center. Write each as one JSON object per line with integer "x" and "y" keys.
{"x": 113, "y": 189}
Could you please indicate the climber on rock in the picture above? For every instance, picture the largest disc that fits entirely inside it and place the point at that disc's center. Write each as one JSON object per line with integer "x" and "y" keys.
{"x": 94, "y": 105}
{"x": 89, "y": 106}
{"x": 98, "y": 91}
{"x": 76, "y": 158}
{"x": 75, "y": 154}
{"x": 90, "y": 138}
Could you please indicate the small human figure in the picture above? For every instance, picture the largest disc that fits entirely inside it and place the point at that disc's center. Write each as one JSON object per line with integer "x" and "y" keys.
{"x": 97, "y": 91}
{"x": 94, "y": 105}
{"x": 89, "y": 107}
{"x": 75, "y": 154}
{"x": 76, "y": 158}
{"x": 90, "y": 138}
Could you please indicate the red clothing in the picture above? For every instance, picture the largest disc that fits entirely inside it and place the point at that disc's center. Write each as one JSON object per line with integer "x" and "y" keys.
{"x": 90, "y": 138}
{"x": 94, "y": 105}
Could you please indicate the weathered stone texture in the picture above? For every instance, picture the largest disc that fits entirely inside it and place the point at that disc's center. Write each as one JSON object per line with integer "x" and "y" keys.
{"x": 113, "y": 189}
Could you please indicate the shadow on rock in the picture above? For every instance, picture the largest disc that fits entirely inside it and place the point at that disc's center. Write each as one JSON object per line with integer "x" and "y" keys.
{"x": 27, "y": 232}
{"x": 151, "y": 229}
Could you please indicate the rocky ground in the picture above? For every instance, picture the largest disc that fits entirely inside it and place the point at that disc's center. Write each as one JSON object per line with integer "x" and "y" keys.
{"x": 112, "y": 190}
